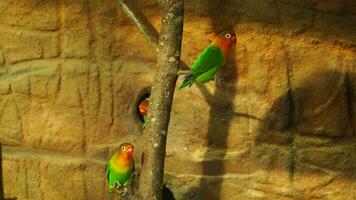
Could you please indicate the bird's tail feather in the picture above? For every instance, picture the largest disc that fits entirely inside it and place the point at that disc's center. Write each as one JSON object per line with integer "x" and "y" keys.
{"x": 188, "y": 81}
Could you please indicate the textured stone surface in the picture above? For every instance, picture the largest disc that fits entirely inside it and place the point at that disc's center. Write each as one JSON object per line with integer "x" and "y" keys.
{"x": 279, "y": 124}
{"x": 42, "y": 177}
{"x": 21, "y": 44}
{"x": 34, "y": 15}
{"x": 75, "y": 25}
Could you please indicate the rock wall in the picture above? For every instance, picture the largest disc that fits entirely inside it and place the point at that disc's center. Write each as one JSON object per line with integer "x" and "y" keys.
{"x": 279, "y": 124}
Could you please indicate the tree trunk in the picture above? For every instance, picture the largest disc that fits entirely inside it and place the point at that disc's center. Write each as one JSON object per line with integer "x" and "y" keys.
{"x": 155, "y": 133}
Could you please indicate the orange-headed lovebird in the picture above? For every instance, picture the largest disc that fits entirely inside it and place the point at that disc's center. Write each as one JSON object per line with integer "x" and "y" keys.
{"x": 143, "y": 109}
{"x": 120, "y": 168}
{"x": 210, "y": 60}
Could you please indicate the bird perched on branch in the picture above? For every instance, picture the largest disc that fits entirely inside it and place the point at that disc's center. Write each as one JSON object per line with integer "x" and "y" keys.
{"x": 120, "y": 168}
{"x": 210, "y": 60}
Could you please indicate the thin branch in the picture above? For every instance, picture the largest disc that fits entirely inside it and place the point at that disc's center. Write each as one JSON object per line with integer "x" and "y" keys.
{"x": 146, "y": 27}
{"x": 151, "y": 179}
{"x": 150, "y": 33}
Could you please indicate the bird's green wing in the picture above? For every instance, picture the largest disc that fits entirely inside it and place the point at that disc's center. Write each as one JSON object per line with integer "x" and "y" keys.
{"x": 130, "y": 173}
{"x": 108, "y": 171}
{"x": 210, "y": 60}
{"x": 211, "y": 57}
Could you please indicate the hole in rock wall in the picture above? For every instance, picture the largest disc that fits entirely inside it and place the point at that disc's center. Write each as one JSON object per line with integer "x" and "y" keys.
{"x": 142, "y": 105}
{"x": 167, "y": 193}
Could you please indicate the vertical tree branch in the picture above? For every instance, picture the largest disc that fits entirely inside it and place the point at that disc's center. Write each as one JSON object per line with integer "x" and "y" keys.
{"x": 151, "y": 179}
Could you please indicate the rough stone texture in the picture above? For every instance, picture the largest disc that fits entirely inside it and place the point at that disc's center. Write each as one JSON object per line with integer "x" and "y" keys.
{"x": 22, "y": 14}
{"x": 22, "y": 45}
{"x": 279, "y": 124}
{"x": 74, "y": 25}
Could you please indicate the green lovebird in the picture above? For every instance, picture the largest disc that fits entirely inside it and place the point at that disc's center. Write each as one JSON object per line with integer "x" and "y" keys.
{"x": 210, "y": 60}
{"x": 120, "y": 168}
{"x": 143, "y": 110}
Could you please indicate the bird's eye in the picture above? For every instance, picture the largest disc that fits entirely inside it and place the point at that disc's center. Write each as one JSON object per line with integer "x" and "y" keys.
{"x": 227, "y": 35}
{"x": 123, "y": 148}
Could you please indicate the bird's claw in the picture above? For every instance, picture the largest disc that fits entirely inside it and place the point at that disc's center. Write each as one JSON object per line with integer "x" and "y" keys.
{"x": 124, "y": 193}
{"x": 136, "y": 173}
{"x": 117, "y": 186}
{"x": 218, "y": 81}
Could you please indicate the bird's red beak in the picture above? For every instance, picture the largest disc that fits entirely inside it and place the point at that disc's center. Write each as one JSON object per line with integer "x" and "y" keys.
{"x": 130, "y": 152}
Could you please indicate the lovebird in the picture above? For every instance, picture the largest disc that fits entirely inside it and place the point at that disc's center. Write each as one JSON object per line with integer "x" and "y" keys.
{"x": 143, "y": 109}
{"x": 120, "y": 168}
{"x": 210, "y": 60}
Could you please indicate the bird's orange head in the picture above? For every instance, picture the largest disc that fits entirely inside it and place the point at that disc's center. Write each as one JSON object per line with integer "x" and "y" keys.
{"x": 143, "y": 107}
{"x": 126, "y": 150}
{"x": 225, "y": 40}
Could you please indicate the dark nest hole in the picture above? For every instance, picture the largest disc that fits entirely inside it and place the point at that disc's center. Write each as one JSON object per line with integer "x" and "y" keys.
{"x": 167, "y": 193}
{"x": 144, "y": 95}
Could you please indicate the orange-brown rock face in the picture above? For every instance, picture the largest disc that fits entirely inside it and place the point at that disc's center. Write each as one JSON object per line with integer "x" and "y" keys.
{"x": 279, "y": 125}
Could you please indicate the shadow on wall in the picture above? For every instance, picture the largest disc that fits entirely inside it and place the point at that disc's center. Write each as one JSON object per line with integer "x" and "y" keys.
{"x": 311, "y": 128}
{"x": 295, "y": 121}
{"x": 221, "y": 115}
{"x": 321, "y": 106}
{"x": 221, "y": 107}
{"x": 308, "y": 131}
